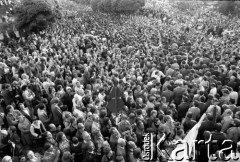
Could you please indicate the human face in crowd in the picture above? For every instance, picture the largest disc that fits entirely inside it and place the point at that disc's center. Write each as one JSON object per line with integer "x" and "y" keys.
{"x": 35, "y": 122}
{"x": 23, "y": 159}
{"x": 7, "y": 159}
{"x": 141, "y": 125}
{"x": 10, "y": 88}
{"x": 30, "y": 155}
{"x": 88, "y": 138}
{"x": 64, "y": 137}
{"x": 49, "y": 135}
{"x": 11, "y": 109}
{"x": 154, "y": 115}
{"x": 21, "y": 106}
{"x": 110, "y": 154}
{"x": 51, "y": 149}
{"x": 21, "y": 119}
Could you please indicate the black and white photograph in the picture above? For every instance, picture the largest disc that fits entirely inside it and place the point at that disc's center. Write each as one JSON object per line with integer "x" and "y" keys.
{"x": 119, "y": 81}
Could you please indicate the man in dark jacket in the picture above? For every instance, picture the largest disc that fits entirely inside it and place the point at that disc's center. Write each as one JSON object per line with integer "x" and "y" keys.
{"x": 202, "y": 106}
{"x": 217, "y": 138}
{"x": 67, "y": 99}
{"x": 207, "y": 125}
{"x": 168, "y": 94}
{"x": 178, "y": 93}
{"x": 8, "y": 94}
{"x": 183, "y": 108}
{"x": 56, "y": 113}
{"x": 188, "y": 122}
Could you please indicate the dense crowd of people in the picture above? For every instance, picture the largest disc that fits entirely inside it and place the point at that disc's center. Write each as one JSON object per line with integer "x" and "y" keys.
{"x": 55, "y": 87}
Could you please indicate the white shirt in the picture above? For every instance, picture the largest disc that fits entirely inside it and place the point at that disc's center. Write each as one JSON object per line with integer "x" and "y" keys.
{"x": 179, "y": 81}
{"x": 42, "y": 115}
{"x": 158, "y": 76}
{"x": 204, "y": 83}
{"x": 74, "y": 82}
{"x": 38, "y": 126}
{"x": 201, "y": 88}
{"x": 213, "y": 91}
{"x": 79, "y": 89}
{"x": 234, "y": 95}
{"x": 77, "y": 98}
{"x": 101, "y": 97}
{"x": 46, "y": 85}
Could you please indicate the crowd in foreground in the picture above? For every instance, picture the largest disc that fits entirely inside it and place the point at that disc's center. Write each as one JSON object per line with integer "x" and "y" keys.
{"x": 55, "y": 88}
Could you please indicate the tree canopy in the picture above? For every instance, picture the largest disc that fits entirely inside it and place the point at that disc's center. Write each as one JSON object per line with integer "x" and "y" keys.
{"x": 36, "y": 15}
{"x": 117, "y": 6}
{"x": 83, "y": 2}
{"x": 229, "y": 7}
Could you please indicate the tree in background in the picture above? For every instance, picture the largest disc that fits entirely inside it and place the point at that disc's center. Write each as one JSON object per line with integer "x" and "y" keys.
{"x": 36, "y": 15}
{"x": 83, "y": 2}
{"x": 186, "y": 6}
{"x": 7, "y": 8}
{"x": 117, "y": 6}
{"x": 229, "y": 7}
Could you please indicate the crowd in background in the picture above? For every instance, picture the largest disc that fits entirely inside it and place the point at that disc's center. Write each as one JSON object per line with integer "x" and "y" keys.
{"x": 55, "y": 87}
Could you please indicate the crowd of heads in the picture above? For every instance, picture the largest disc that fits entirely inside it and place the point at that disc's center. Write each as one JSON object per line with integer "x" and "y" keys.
{"x": 55, "y": 87}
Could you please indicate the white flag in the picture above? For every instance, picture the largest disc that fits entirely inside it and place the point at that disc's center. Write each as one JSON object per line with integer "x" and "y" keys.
{"x": 190, "y": 140}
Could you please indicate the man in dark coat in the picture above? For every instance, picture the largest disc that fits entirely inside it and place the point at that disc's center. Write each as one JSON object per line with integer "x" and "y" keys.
{"x": 183, "y": 108}
{"x": 56, "y": 113}
{"x": 168, "y": 94}
{"x": 202, "y": 106}
{"x": 67, "y": 99}
{"x": 8, "y": 94}
{"x": 178, "y": 93}
{"x": 115, "y": 97}
{"x": 207, "y": 125}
